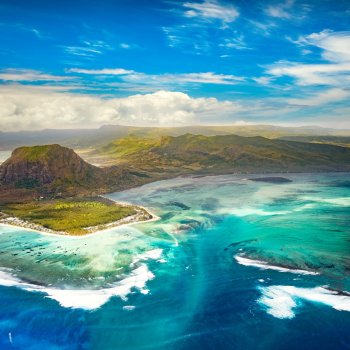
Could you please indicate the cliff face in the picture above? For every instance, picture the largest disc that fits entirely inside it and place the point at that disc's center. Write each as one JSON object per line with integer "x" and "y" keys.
{"x": 56, "y": 170}
{"x": 44, "y": 165}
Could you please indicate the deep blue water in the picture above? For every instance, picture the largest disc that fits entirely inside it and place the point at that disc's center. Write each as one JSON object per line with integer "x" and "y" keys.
{"x": 201, "y": 277}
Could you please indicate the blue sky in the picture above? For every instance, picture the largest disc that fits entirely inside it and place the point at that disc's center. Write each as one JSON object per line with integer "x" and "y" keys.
{"x": 69, "y": 64}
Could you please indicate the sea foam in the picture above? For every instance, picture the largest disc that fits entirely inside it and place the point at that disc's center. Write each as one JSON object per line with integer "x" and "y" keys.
{"x": 90, "y": 299}
{"x": 265, "y": 266}
{"x": 251, "y": 211}
{"x": 281, "y": 301}
{"x": 340, "y": 201}
{"x": 248, "y": 211}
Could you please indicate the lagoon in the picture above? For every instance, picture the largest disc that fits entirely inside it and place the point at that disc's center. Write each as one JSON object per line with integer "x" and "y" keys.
{"x": 230, "y": 264}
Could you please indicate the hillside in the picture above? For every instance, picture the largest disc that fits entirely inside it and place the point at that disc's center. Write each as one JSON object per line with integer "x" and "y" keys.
{"x": 343, "y": 141}
{"x": 87, "y": 138}
{"x": 53, "y": 170}
{"x": 222, "y": 154}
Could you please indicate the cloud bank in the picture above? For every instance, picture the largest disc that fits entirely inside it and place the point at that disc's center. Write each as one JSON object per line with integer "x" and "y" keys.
{"x": 37, "y": 109}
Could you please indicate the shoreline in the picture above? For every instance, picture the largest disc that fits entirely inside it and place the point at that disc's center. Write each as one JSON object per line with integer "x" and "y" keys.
{"x": 45, "y": 231}
{"x": 127, "y": 221}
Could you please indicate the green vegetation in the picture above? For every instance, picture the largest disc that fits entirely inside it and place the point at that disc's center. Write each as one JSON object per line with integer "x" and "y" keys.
{"x": 53, "y": 171}
{"x": 343, "y": 141}
{"x": 194, "y": 154}
{"x": 34, "y": 153}
{"x": 69, "y": 215}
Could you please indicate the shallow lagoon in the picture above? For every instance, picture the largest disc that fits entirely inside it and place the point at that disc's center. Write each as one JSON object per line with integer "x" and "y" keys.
{"x": 230, "y": 264}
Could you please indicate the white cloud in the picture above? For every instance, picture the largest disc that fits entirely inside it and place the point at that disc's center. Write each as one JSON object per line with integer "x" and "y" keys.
{"x": 28, "y": 75}
{"x": 288, "y": 10}
{"x": 280, "y": 10}
{"x": 40, "y": 109}
{"x": 263, "y": 80}
{"x": 202, "y": 78}
{"x": 312, "y": 74}
{"x": 105, "y": 71}
{"x": 263, "y": 28}
{"x": 335, "y": 48}
{"x": 29, "y": 107}
{"x": 211, "y": 10}
{"x": 88, "y": 49}
{"x": 82, "y": 51}
{"x": 237, "y": 43}
{"x": 321, "y": 98}
{"x": 335, "y": 45}
{"x": 161, "y": 79}
{"x": 125, "y": 46}
{"x": 197, "y": 21}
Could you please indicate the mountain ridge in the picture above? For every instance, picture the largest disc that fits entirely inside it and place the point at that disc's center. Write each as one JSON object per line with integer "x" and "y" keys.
{"x": 85, "y": 138}
{"x": 226, "y": 153}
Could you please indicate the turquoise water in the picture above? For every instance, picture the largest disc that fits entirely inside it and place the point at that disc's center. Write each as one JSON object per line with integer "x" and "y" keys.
{"x": 230, "y": 264}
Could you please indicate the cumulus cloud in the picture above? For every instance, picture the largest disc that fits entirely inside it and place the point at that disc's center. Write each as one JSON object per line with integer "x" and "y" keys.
{"x": 37, "y": 109}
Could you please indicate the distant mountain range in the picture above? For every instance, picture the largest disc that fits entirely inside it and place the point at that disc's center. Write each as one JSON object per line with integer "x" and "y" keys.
{"x": 189, "y": 153}
{"x": 86, "y": 138}
{"x": 56, "y": 171}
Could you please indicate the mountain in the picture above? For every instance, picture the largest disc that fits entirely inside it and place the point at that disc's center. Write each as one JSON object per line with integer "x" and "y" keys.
{"x": 343, "y": 141}
{"x": 53, "y": 170}
{"x": 86, "y": 138}
{"x": 224, "y": 154}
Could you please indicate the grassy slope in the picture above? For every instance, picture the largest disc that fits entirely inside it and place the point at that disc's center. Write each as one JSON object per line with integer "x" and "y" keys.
{"x": 217, "y": 154}
{"x": 70, "y": 215}
{"x": 343, "y": 141}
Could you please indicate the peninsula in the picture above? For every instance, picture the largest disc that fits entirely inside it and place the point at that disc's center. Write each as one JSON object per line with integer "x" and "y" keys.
{"x": 51, "y": 189}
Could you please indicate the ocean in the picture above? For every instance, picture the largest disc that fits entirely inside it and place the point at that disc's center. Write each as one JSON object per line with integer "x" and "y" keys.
{"x": 230, "y": 264}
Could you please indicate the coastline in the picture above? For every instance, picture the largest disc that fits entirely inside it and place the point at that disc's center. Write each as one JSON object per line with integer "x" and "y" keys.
{"x": 125, "y": 221}
{"x": 137, "y": 218}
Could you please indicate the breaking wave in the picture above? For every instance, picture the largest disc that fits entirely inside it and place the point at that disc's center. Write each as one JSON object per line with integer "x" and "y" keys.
{"x": 281, "y": 301}
{"x": 265, "y": 266}
{"x": 90, "y": 299}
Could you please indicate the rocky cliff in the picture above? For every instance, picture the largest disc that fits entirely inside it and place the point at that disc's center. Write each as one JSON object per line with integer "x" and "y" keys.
{"x": 53, "y": 170}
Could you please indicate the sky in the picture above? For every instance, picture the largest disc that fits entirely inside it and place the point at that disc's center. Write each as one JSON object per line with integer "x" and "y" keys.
{"x": 83, "y": 64}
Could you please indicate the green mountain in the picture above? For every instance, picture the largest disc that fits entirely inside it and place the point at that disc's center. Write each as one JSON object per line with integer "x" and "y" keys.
{"x": 53, "y": 170}
{"x": 343, "y": 141}
{"x": 224, "y": 154}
